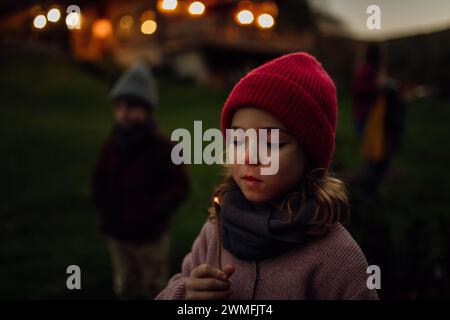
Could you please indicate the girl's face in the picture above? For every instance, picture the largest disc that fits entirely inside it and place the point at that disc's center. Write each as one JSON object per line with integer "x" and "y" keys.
{"x": 292, "y": 160}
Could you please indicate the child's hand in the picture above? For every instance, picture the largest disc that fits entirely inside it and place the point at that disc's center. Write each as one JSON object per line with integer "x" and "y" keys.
{"x": 209, "y": 283}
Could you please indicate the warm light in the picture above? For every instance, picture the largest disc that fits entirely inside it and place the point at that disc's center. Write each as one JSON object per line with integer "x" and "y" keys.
{"x": 167, "y": 5}
{"x": 40, "y": 21}
{"x": 148, "y": 15}
{"x": 126, "y": 22}
{"x": 53, "y": 15}
{"x": 265, "y": 21}
{"x": 244, "y": 17}
{"x": 196, "y": 8}
{"x": 269, "y": 7}
{"x": 72, "y": 19}
{"x": 102, "y": 28}
{"x": 216, "y": 199}
{"x": 148, "y": 27}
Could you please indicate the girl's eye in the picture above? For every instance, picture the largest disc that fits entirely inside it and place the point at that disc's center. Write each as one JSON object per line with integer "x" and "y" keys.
{"x": 238, "y": 142}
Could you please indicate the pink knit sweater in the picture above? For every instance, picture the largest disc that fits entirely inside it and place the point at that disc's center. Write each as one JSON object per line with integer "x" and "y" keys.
{"x": 332, "y": 267}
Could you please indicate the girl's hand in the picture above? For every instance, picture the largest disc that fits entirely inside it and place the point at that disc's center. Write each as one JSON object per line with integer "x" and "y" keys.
{"x": 209, "y": 283}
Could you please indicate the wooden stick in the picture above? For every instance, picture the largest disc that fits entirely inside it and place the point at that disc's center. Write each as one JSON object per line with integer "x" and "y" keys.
{"x": 218, "y": 232}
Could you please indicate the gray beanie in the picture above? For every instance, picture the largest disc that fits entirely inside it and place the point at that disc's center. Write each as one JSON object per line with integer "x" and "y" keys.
{"x": 137, "y": 82}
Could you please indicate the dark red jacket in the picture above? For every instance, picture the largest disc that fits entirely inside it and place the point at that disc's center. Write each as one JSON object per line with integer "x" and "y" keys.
{"x": 137, "y": 192}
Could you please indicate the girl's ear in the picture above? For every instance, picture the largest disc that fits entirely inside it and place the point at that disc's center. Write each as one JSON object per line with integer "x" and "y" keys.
{"x": 317, "y": 172}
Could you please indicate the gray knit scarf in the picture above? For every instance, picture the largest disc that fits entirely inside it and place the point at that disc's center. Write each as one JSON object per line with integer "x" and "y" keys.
{"x": 253, "y": 231}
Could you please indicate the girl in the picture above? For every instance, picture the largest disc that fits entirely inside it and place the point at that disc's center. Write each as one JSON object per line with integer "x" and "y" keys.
{"x": 282, "y": 236}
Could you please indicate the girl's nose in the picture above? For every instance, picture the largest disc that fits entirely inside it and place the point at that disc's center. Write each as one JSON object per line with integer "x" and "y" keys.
{"x": 251, "y": 153}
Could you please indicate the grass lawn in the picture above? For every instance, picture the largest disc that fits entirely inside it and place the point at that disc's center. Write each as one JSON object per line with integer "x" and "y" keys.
{"x": 54, "y": 117}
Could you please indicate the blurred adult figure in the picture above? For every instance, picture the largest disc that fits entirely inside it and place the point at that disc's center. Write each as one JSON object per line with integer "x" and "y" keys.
{"x": 366, "y": 86}
{"x": 378, "y": 115}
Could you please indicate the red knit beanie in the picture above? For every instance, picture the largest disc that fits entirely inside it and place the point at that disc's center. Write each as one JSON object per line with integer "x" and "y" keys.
{"x": 298, "y": 91}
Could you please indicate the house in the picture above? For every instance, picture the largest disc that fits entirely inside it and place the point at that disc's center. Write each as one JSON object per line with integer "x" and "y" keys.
{"x": 211, "y": 41}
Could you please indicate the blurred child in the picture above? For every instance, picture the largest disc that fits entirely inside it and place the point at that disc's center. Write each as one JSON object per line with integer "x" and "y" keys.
{"x": 281, "y": 234}
{"x": 136, "y": 188}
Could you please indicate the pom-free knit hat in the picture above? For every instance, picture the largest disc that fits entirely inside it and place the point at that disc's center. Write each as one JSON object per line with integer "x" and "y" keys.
{"x": 299, "y": 92}
{"x": 138, "y": 82}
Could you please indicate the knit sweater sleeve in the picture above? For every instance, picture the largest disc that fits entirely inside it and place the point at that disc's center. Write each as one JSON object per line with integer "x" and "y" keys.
{"x": 343, "y": 271}
{"x": 176, "y": 287}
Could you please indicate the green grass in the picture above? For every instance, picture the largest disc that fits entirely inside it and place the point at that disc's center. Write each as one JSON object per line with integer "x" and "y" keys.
{"x": 54, "y": 118}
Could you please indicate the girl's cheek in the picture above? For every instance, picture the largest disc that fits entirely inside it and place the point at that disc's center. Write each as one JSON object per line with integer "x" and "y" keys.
{"x": 234, "y": 169}
{"x": 289, "y": 174}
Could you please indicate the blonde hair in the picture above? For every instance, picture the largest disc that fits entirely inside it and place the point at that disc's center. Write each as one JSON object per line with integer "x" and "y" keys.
{"x": 328, "y": 192}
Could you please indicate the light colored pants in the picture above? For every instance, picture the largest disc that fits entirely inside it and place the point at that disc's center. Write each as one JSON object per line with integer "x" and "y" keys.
{"x": 140, "y": 270}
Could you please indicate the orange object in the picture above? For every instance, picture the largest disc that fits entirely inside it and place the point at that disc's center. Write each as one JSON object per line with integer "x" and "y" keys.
{"x": 373, "y": 145}
{"x": 102, "y": 28}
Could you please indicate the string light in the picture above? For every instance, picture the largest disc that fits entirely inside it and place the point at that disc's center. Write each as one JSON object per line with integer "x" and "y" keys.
{"x": 245, "y": 17}
{"x": 102, "y": 28}
{"x": 149, "y": 27}
{"x": 196, "y": 8}
{"x": 126, "y": 22}
{"x": 265, "y": 21}
{"x": 39, "y": 21}
{"x": 167, "y": 5}
{"x": 53, "y": 15}
{"x": 73, "y": 20}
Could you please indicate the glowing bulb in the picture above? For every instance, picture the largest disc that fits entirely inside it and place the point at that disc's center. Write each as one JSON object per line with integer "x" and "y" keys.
{"x": 196, "y": 8}
{"x": 126, "y": 22}
{"x": 168, "y": 5}
{"x": 72, "y": 19}
{"x": 53, "y": 15}
{"x": 265, "y": 21}
{"x": 102, "y": 28}
{"x": 148, "y": 27}
{"x": 245, "y": 17}
{"x": 40, "y": 21}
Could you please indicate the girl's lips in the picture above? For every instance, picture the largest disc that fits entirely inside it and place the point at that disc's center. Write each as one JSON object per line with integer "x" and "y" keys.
{"x": 251, "y": 182}
{"x": 250, "y": 178}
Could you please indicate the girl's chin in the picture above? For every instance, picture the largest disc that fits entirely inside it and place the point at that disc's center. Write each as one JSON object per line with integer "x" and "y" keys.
{"x": 255, "y": 196}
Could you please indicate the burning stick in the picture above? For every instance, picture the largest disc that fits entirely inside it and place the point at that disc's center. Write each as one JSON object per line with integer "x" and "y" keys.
{"x": 218, "y": 232}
